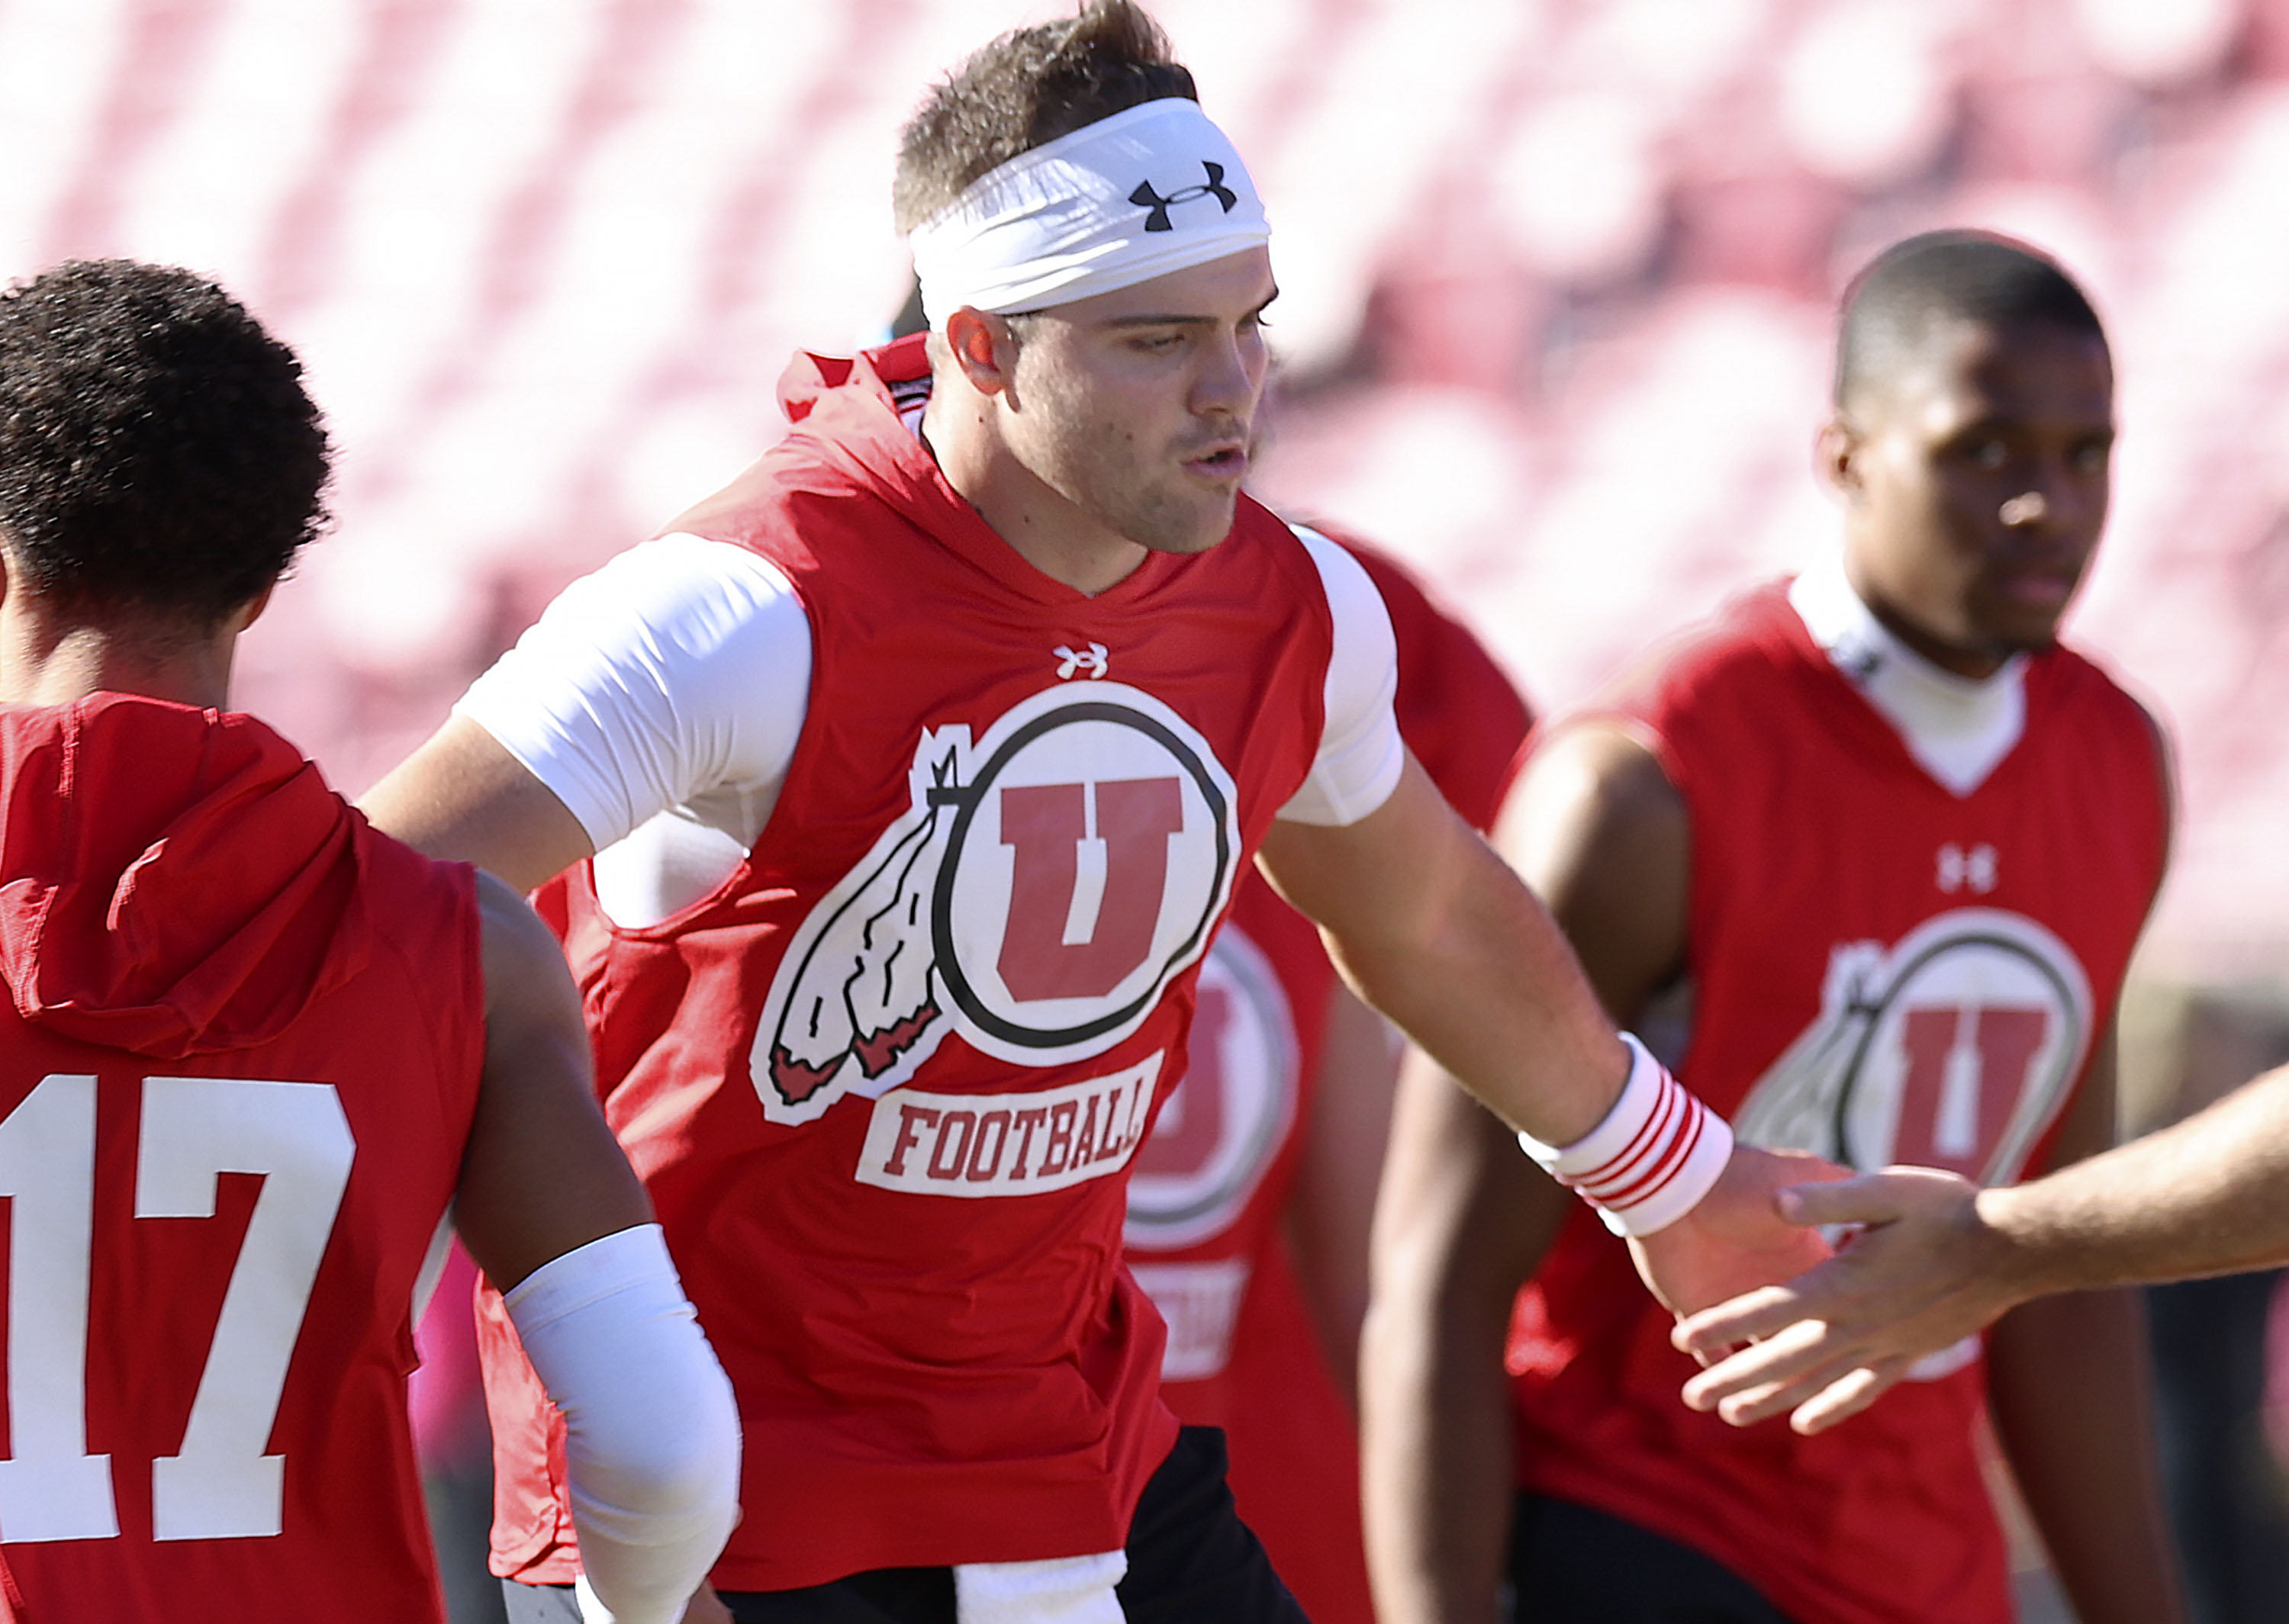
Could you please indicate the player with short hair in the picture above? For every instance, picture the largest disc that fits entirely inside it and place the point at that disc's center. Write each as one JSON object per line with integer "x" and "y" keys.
{"x": 1875, "y": 849}
{"x": 906, "y": 781}
{"x": 255, "y": 1051}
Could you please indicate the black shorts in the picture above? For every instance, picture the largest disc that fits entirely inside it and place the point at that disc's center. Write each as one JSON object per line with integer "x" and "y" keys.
{"x": 1190, "y": 1561}
{"x": 1569, "y": 1564}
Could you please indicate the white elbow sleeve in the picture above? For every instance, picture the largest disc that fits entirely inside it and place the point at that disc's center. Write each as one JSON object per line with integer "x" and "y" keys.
{"x": 651, "y": 1445}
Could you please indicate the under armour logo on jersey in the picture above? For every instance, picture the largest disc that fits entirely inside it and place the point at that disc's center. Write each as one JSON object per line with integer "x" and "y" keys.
{"x": 1072, "y": 662}
{"x": 1975, "y": 870}
{"x": 1157, "y": 207}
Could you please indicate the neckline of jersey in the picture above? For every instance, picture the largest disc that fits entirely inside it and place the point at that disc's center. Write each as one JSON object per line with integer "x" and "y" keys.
{"x": 1958, "y": 729}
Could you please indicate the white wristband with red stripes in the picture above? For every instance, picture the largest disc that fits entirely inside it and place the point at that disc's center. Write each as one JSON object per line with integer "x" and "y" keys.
{"x": 1651, "y": 1160}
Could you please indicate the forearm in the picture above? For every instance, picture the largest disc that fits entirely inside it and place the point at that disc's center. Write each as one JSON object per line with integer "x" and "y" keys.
{"x": 1437, "y": 1466}
{"x": 1461, "y": 1222}
{"x": 1493, "y": 993}
{"x": 2069, "y": 1386}
{"x": 2208, "y": 1196}
{"x": 1434, "y": 930}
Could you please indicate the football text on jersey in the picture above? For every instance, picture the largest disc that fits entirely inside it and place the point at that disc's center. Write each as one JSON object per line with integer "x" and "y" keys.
{"x": 1007, "y": 1144}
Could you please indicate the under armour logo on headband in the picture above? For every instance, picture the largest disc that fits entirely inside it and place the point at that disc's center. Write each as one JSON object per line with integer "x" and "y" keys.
{"x": 1157, "y": 207}
{"x": 1069, "y": 220}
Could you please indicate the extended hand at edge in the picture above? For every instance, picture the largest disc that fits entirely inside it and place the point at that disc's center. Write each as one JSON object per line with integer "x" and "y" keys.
{"x": 1922, "y": 1273}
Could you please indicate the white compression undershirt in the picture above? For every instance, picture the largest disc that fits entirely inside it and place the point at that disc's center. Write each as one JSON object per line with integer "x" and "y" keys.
{"x": 661, "y": 697}
{"x": 1359, "y": 756}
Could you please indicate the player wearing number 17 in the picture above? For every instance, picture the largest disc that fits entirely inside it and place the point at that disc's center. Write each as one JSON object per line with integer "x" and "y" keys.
{"x": 252, "y": 1050}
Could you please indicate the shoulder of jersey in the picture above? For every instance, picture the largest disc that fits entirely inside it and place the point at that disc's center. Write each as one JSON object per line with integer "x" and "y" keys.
{"x": 2069, "y": 689}
{"x": 1736, "y": 651}
{"x": 2083, "y": 678}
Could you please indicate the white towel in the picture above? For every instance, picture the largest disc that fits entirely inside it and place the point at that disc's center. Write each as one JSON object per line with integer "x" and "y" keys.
{"x": 1060, "y": 1590}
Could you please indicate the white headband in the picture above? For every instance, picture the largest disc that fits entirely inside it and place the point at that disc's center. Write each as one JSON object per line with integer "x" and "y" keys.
{"x": 1153, "y": 189}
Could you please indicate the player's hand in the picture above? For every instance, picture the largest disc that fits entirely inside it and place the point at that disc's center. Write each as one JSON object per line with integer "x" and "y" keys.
{"x": 1735, "y": 1239}
{"x": 705, "y": 1607}
{"x": 1924, "y": 1271}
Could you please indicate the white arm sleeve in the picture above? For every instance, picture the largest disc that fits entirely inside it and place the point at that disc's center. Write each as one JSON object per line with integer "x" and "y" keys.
{"x": 677, "y": 674}
{"x": 1360, "y": 756}
{"x": 651, "y": 1445}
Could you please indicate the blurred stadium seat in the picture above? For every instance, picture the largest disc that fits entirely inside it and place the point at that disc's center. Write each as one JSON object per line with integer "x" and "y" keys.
{"x": 1558, "y": 279}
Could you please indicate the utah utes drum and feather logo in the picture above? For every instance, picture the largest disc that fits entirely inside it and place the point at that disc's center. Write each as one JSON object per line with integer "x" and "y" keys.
{"x": 1953, "y": 1047}
{"x": 1044, "y": 885}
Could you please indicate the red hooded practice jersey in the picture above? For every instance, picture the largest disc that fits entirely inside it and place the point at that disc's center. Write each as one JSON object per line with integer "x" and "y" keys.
{"x": 243, "y": 1043}
{"x": 885, "y": 1082}
{"x": 1210, "y": 1185}
{"x": 1883, "y": 970}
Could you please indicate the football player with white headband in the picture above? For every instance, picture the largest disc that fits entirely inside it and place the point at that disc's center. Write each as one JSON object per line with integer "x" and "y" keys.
{"x": 887, "y": 802}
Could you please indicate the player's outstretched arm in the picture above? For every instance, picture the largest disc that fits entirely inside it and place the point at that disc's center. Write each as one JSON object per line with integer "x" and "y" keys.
{"x": 1430, "y": 928}
{"x": 550, "y": 1210}
{"x": 1941, "y": 1258}
{"x": 1434, "y": 930}
{"x": 2070, "y": 1387}
{"x": 1601, "y": 836}
{"x": 462, "y": 797}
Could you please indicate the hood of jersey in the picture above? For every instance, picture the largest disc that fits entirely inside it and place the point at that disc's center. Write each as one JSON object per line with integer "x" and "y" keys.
{"x": 171, "y": 879}
{"x": 899, "y": 372}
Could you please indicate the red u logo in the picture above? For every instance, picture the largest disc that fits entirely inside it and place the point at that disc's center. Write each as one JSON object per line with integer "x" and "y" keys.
{"x": 1047, "y": 951}
{"x": 1966, "y": 1069}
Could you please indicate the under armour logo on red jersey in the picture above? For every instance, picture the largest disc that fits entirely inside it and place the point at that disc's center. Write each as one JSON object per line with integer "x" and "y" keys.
{"x": 1974, "y": 869}
{"x": 1041, "y": 888}
{"x": 1071, "y": 662}
{"x": 1157, "y": 207}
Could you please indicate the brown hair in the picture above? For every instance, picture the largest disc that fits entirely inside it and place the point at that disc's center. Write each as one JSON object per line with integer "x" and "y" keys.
{"x": 1025, "y": 90}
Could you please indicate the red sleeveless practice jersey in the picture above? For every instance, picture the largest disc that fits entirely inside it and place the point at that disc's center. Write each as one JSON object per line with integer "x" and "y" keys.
{"x": 243, "y": 1048}
{"x": 1883, "y": 971}
{"x": 885, "y": 1083}
{"x": 1210, "y": 1187}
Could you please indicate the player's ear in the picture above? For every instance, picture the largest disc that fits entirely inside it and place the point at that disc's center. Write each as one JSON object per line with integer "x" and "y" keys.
{"x": 984, "y": 347}
{"x": 1836, "y": 458}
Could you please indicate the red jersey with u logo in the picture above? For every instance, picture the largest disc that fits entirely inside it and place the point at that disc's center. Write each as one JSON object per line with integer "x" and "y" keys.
{"x": 884, "y": 1083}
{"x": 1883, "y": 969}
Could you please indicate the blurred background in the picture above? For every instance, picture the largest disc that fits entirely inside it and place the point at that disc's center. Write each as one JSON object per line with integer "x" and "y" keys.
{"x": 1559, "y": 278}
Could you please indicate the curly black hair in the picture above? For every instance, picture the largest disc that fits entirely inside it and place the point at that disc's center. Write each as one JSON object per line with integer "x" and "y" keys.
{"x": 158, "y": 449}
{"x": 1023, "y": 90}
